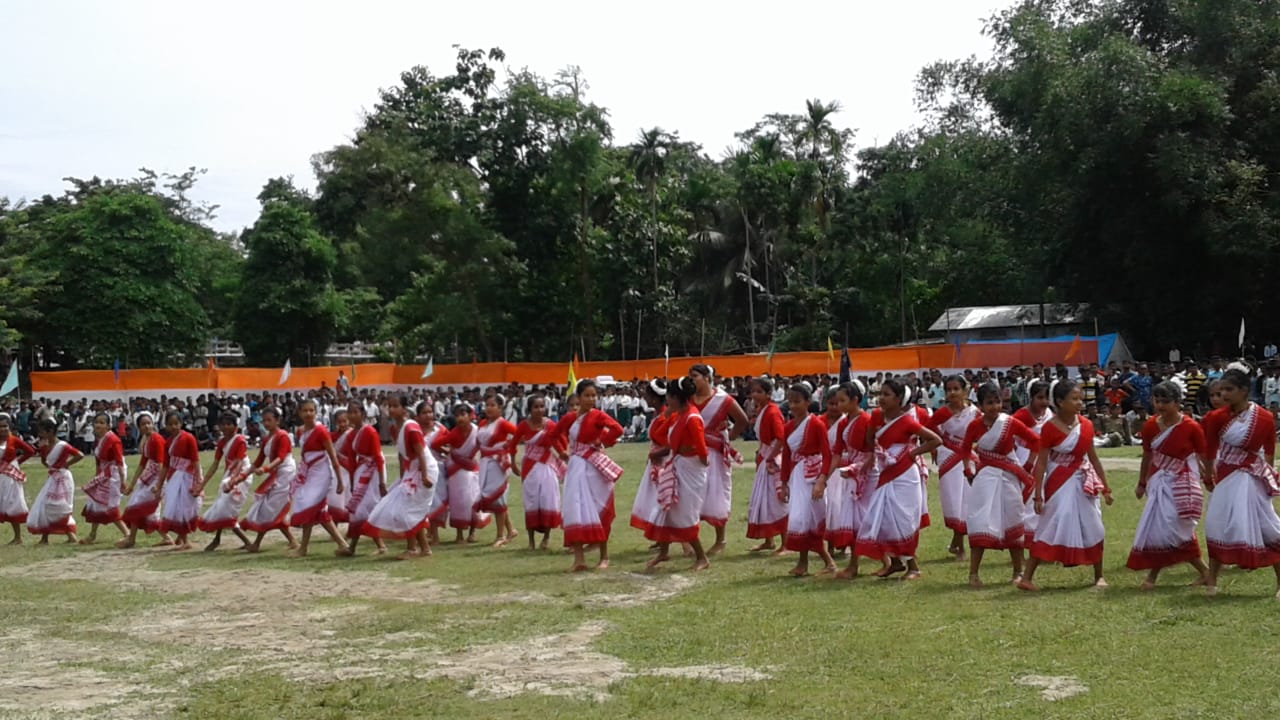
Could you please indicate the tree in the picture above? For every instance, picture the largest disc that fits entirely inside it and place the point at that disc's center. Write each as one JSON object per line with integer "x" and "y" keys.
{"x": 648, "y": 160}
{"x": 287, "y": 307}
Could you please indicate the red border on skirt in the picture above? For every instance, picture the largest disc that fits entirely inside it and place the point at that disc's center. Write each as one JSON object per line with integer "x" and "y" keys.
{"x": 216, "y": 525}
{"x": 845, "y": 538}
{"x": 1243, "y": 556}
{"x": 66, "y": 526}
{"x": 1012, "y": 540}
{"x": 812, "y": 541}
{"x": 314, "y": 515}
{"x": 1068, "y": 556}
{"x": 661, "y": 534}
{"x": 1155, "y": 558}
{"x": 876, "y": 549}
{"x": 13, "y": 518}
{"x": 765, "y": 531}
{"x": 280, "y": 522}
{"x": 101, "y": 518}
{"x": 542, "y": 520}
{"x": 955, "y": 525}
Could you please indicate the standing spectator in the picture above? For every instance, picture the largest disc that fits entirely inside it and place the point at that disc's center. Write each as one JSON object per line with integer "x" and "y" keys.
{"x": 1175, "y": 356}
{"x": 1271, "y": 387}
{"x": 1193, "y": 379}
{"x": 344, "y": 385}
{"x": 1269, "y": 351}
{"x": 1140, "y": 386}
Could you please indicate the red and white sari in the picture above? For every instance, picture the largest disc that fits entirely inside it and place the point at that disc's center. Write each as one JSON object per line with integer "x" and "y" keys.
{"x": 589, "y": 480}
{"x": 143, "y": 509}
{"x": 272, "y": 499}
{"x": 1240, "y": 525}
{"x": 13, "y": 498}
{"x": 540, "y": 475}
{"x": 1166, "y": 533}
{"x": 646, "y": 502}
{"x": 366, "y": 480}
{"x": 721, "y": 458}
{"x": 403, "y": 512}
{"x": 1070, "y": 530}
{"x": 953, "y": 486}
{"x": 463, "y": 477}
{"x": 494, "y": 439}
{"x": 766, "y": 511}
{"x": 806, "y": 458}
{"x": 314, "y": 480}
{"x": 438, "y": 515}
{"x": 1027, "y": 459}
{"x": 224, "y": 513}
{"x": 337, "y": 501}
{"x": 847, "y": 481}
{"x": 681, "y": 482}
{"x": 182, "y": 491}
{"x": 102, "y": 493}
{"x": 891, "y": 525}
{"x": 50, "y": 514}
{"x": 995, "y": 501}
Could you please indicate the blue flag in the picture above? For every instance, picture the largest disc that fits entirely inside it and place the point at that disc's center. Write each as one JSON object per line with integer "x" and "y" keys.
{"x": 10, "y": 382}
{"x": 115, "y": 371}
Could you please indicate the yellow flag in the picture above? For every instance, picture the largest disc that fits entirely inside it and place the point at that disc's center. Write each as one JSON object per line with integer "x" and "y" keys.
{"x": 573, "y": 379}
{"x": 831, "y": 351}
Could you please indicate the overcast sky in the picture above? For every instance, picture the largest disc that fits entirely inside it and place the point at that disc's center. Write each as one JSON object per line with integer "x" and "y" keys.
{"x": 250, "y": 90}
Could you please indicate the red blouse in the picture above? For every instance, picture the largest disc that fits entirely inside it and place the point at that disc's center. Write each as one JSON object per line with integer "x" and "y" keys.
{"x": 813, "y": 443}
{"x": 596, "y": 427}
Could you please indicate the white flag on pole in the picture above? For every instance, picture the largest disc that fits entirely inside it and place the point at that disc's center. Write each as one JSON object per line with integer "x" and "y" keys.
{"x": 288, "y": 370}
{"x": 1240, "y": 343}
{"x": 430, "y": 368}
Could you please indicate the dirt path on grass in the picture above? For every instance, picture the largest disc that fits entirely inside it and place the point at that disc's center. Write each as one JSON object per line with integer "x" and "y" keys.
{"x": 296, "y": 624}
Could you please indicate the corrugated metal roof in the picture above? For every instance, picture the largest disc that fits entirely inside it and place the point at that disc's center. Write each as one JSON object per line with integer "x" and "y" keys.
{"x": 1001, "y": 316}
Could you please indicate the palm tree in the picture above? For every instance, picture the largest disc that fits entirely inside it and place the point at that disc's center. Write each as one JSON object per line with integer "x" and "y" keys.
{"x": 817, "y": 129}
{"x": 648, "y": 159}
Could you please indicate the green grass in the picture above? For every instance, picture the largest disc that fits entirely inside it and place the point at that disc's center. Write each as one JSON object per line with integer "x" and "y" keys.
{"x": 834, "y": 649}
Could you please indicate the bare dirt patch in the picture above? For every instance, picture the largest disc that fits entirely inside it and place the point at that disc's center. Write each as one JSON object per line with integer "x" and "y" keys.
{"x": 1054, "y": 687}
{"x": 270, "y": 619}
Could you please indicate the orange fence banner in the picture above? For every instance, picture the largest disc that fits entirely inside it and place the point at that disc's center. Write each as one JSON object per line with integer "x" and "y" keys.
{"x": 865, "y": 361}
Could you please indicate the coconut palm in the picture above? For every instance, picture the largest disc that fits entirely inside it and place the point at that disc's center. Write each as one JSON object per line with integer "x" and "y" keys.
{"x": 648, "y": 160}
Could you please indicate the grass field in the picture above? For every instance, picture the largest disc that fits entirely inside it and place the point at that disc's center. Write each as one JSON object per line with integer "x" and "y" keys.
{"x": 477, "y": 632}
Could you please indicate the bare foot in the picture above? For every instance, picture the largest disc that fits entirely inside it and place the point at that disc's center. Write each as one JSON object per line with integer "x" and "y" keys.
{"x": 344, "y": 551}
{"x": 656, "y": 561}
{"x": 890, "y": 570}
{"x": 1100, "y": 583}
{"x": 382, "y": 550}
{"x": 700, "y": 565}
{"x": 251, "y": 549}
{"x": 122, "y": 543}
{"x": 72, "y": 539}
{"x": 766, "y": 545}
{"x": 501, "y": 541}
{"x": 542, "y": 545}
{"x": 716, "y": 549}
{"x": 296, "y": 553}
{"x": 409, "y": 555}
{"x": 960, "y": 557}
{"x": 798, "y": 571}
{"x": 1211, "y": 590}
{"x": 913, "y": 575}
{"x": 779, "y": 552}
{"x": 975, "y": 582}
{"x": 847, "y": 574}
{"x": 1028, "y": 586}
{"x": 1199, "y": 582}
{"x": 1017, "y": 578}
{"x": 577, "y": 569}
{"x": 827, "y": 570}
{"x": 213, "y": 545}
{"x": 18, "y": 541}
{"x": 1146, "y": 585}
{"x": 471, "y": 539}
{"x": 43, "y": 541}
{"x": 89, "y": 541}
{"x": 182, "y": 546}
{"x": 602, "y": 565}
{"x": 164, "y": 542}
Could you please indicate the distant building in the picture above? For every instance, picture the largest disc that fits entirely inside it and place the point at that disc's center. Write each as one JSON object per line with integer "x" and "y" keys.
{"x": 1013, "y": 322}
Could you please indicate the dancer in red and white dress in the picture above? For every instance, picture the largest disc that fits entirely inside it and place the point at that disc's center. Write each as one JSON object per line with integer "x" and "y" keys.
{"x": 806, "y": 460}
{"x": 851, "y": 472}
{"x": 718, "y": 410}
{"x": 999, "y": 485}
{"x": 13, "y": 500}
{"x": 588, "y": 481}
{"x": 1034, "y": 416}
{"x": 314, "y": 480}
{"x": 916, "y": 402}
{"x": 495, "y": 436}
{"x": 950, "y": 422}
{"x": 402, "y": 512}
{"x": 181, "y": 484}
{"x": 338, "y": 499}
{"x": 767, "y": 511}
{"x": 840, "y": 494}
{"x": 272, "y": 497}
{"x": 1240, "y": 525}
{"x": 368, "y": 483}
{"x": 102, "y": 493}
{"x": 142, "y": 512}
{"x": 438, "y": 515}
{"x": 890, "y": 529}
{"x": 232, "y": 452}
{"x": 462, "y": 444}
{"x": 682, "y": 479}
{"x": 642, "y": 508}
{"x": 540, "y": 472}
{"x": 1173, "y": 459}
{"x": 50, "y": 514}
{"x": 1069, "y": 479}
